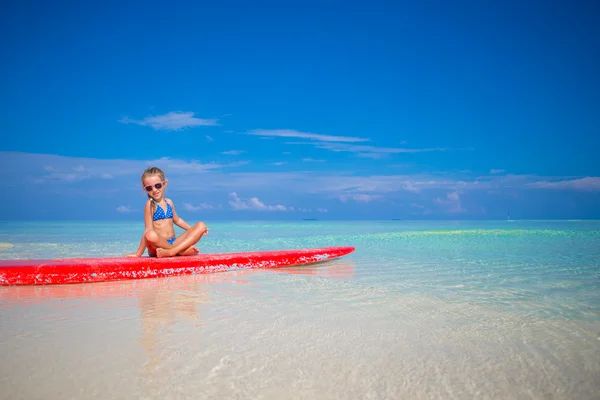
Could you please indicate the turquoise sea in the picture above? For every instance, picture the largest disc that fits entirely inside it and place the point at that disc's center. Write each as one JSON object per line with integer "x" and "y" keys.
{"x": 422, "y": 309}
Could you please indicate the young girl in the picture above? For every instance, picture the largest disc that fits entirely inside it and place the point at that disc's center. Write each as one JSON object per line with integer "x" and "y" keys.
{"x": 159, "y": 217}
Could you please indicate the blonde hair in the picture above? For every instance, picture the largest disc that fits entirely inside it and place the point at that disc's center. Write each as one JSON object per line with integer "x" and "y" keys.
{"x": 151, "y": 172}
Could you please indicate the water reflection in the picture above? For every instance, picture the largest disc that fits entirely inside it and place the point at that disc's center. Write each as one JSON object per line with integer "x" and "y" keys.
{"x": 341, "y": 269}
{"x": 30, "y": 295}
{"x": 173, "y": 302}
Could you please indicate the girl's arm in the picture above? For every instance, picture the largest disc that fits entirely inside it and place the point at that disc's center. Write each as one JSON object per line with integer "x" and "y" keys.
{"x": 148, "y": 226}
{"x": 148, "y": 216}
{"x": 177, "y": 220}
{"x": 141, "y": 248}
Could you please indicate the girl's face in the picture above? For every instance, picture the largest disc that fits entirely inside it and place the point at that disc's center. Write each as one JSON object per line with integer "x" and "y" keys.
{"x": 155, "y": 186}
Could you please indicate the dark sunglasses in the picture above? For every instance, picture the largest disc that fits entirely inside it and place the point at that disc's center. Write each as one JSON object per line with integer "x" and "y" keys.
{"x": 159, "y": 185}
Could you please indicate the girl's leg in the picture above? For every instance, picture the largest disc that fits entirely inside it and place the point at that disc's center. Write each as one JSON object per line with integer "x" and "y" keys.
{"x": 154, "y": 241}
{"x": 183, "y": 242}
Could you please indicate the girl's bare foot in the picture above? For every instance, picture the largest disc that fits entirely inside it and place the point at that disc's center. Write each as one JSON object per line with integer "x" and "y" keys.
{"x": 160, "y": 253}
{"x": 190, "y": 251}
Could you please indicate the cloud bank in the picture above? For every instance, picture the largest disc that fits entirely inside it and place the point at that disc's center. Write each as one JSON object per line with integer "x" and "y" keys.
{"x": 316, "y": 190}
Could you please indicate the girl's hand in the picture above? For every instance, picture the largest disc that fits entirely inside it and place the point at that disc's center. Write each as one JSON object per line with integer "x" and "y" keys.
{"x": 206, "y": 233}
{"x": 132, "y": 255}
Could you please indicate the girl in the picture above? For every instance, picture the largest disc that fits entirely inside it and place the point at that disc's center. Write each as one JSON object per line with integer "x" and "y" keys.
{"x": 159, "y": 217}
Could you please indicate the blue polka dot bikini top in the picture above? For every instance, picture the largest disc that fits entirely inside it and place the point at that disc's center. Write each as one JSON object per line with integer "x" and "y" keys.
{"x": 160, "y": 213}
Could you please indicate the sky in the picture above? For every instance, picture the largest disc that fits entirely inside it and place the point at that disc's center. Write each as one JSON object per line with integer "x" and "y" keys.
{"x": 276, "y": 110}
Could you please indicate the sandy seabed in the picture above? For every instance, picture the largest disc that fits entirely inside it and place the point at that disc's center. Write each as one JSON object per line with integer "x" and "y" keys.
{"x": 296, "y": 333}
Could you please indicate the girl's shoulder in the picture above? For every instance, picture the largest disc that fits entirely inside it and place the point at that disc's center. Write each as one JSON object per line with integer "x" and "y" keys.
{"x": 148, "y": 207}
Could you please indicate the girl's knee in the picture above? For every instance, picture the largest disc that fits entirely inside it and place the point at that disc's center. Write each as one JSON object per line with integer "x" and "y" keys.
{"x": 151, "y": 236}
{"x": 201, "y": 226}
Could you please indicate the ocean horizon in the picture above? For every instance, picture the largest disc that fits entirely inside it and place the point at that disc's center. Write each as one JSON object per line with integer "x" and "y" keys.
{"x": 421, "y": 309}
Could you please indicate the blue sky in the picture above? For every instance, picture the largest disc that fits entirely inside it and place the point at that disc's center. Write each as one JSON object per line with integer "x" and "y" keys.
{"x": 318, "y": 109}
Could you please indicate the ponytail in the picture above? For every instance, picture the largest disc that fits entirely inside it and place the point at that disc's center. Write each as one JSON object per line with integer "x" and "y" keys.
{"x": 152, "y": 205}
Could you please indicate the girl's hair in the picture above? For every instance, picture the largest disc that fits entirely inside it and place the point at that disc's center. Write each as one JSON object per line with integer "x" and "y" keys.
{"x": 150, "y": 172}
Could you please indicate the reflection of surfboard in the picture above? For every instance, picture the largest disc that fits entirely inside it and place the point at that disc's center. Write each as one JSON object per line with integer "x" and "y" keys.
{"x": 80, "y": 270}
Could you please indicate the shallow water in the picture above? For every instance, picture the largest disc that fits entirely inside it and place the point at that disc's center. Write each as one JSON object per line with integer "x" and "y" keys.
{"x": 420, "y": 310}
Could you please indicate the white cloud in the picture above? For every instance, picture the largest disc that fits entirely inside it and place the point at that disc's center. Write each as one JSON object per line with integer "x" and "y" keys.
{"x": 322, "y": 210}
{"x": 124, "y": 209}
{"x": 359, "y": 198}
{"x": 308, "y": 159}
{"x": 181, "y": 166}
{"x": 290, "y": 133}
{"x": 280, "y": 163}
{"x": 451, "y": 203}
{"x": 171, "y": 121}
{"x": 201, "y": 206}
{"x": 376, "y": 184}
{"x": 338, "y": 143}
{"x": 365, "y": 151}
{"x": 233, "y": 152}
{"x": 209, "y": 138}
{"x": 497, "y": 171}
{"x": 590, "y": 183}
{"x": 410, "y": 187}
{"x": 64, "y": 176}
{"x": 41, "y": 168}
{"x": 252, "y": 204}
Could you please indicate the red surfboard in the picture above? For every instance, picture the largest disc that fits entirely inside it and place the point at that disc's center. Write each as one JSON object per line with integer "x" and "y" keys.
{"x": 82, "y": 270}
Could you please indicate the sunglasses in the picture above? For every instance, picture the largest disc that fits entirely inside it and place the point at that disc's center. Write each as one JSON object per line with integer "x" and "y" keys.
{"x": 159, "y": 185}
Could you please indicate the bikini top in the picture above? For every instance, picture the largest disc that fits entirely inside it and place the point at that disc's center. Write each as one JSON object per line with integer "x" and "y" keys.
{"x": 160, "y": 213}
